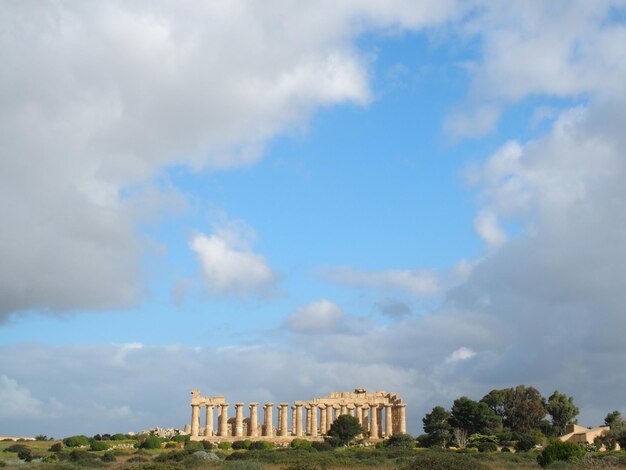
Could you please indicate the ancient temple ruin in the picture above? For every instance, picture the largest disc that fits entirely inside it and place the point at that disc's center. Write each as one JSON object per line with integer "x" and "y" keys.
{"x": 381, "y": 415}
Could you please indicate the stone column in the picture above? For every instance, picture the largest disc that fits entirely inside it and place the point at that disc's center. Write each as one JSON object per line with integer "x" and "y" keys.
{"x": 208, "y": 430}
{"x": 293, "y": 420}
{"x": 402, "y": 418}
{"x": 329, "y": 417}
{"x": 308, "y": 419}
{"x": 388, "y": 421}
{"x": 238, "y": 420}
{"x": 254, "y": 420}
{"x": 195, "y": 419}
{"x": 224, "y": 420}
{"x": 364, "y": 420}
{"x": 373, "y": 422}
{"x": 268, "y": 425}
{"x": 284, "y": 413}
{"x": 344, "y": 410}
{"x": 323, "y": 419}
{"x": 299, "y": 420}
{"x": 359, "y": 414}
{"x": 379, "y": 411}
{"x": 351, "y": 409}
{"x": 314, "y": 420}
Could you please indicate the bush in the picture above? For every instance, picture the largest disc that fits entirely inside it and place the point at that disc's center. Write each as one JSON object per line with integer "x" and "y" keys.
{"x": 343, "y": 430}
{"x": 241, "y": 445}
{"x": 444, "y": 461}
{"x": 108, "y": 457}
{"x": 25, "y": 454}
{"x": 98, "y": 445}
{"x": 321, "y": 446}
{"x": 224, "y": 445}
{"x": 300, "y": 444}
{"x": 180, "y": 438}
{"x": 487, "y": 447}
{"x": 118, "y": 437}
{"x": 261, "y": 445}
{"x": 194, "y": 446}
{"x": 525, "y": 443}
{"x": 16, "y": 448}
{"x": 56, "y": 447}
{"x": 400, "y": 440}
{"x": 76, "y": 441}
{"x": 505, "y": 449}
{"x": 82, "y": 456}
{"x": 41, "y": 437}
{"x": 560, "y": 451}
{"x": 150, "y": 442}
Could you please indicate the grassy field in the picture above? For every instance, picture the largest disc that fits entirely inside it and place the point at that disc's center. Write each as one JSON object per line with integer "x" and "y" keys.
{"x": 284, "y": 459}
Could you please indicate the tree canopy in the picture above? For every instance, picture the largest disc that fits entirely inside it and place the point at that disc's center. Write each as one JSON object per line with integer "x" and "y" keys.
{"x": 343, "y": 430}
{"x": 562, "y": 410}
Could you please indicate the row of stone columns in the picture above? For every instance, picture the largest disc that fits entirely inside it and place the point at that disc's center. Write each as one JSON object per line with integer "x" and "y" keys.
{"x": 370, "y": 417}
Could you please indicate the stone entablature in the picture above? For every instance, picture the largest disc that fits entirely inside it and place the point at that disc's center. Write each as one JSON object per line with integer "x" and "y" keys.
{"x": 381, "y": 414}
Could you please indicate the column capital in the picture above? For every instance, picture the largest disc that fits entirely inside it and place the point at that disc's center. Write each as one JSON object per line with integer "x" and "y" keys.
{"x": 238, "y": 404}
{"x": 254, "y": 404}
{"x": 269, "y": 404}
{"x": 284, "y": 404}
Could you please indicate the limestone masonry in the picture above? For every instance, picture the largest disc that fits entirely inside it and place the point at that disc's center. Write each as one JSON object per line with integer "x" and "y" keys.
{"x": 381, "y": 414}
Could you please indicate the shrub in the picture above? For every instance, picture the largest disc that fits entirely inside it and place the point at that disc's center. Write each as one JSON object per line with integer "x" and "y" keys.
{"x": 505, "y": 449}
{"x": 41, "y": 437}
{"x": 25, "y": 454}
{"x": 171, "y": 445}
{"x": 241, "y": 445}
{"x": 76, "y": 441}
{"x": 224, "y": 445}
{"x": 560, "y": 451}
{"x": 16, "y": 448}
{"x": 444, "y": 461}
{"x": 525, "y": 443}
{"x": 108, "y": 457}
{"x": 321, "y": 446}
{"x": 300, "y": 444}
{"x": 487, "y": 447}
{"x": 180, "y": 438}
{"x": 150, "y": 442}
{"x": 118, "y": 437}
{"x": 209, "y": 445}
{"x": 400, "y": 440}
{"x": 82, "y": 456}
{"x": 98, "y": 445}
{"x": 261, "y": 445}
{"x": 56, "y": 447}
{"x": 194, "y": 446}
{"x": 343, "y": 430}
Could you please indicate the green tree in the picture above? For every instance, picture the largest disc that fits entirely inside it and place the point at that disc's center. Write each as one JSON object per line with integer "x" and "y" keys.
{"x": 474, "y": 417}
{"x": 562, "y": 411}
{"x": 343, "y": 430}
{"x": 560, "y": 451}
{"x": 401, "y": 440}
{"x": 525, "y": 408}
{"x": 613, "y": 419}
{"x": 495, "y": 400}
{"x": 437, "y": 427}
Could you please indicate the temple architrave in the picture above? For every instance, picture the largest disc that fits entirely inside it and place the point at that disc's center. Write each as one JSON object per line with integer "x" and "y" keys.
{"x": 381, "y": 415}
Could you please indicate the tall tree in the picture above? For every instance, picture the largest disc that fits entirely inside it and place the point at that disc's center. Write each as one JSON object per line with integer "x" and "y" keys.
{"x": 562, "y": 410}
{"x": 474, "y": 417}
{"x": 613, "y": 419}
{"x": 495, "y": 400}
{"x": 437, "y": 427}
{"x": 525, "y": 408}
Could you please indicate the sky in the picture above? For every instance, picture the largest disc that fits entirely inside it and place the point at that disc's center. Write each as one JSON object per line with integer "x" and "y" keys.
{"x": 275, "y": 200}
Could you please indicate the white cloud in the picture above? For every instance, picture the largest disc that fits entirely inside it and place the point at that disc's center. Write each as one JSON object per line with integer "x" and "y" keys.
{"x": 132, "y": 88}
{"x": 487, "y": 227}
{"x": 461, "y": 354}
{"x": 229, "y": 266}
{"x": 16, "y": 401}
{"x": 417, "y": 282}
{"x": 321, "y": 316}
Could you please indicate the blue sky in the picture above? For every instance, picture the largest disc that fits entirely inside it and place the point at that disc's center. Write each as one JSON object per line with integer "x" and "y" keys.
{"x": 419, "y": 197}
